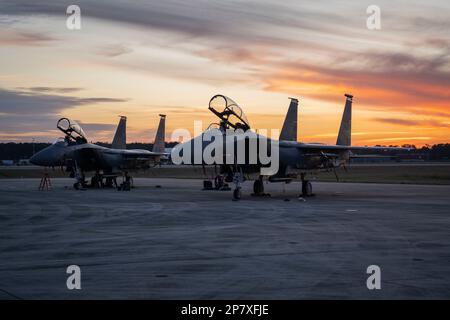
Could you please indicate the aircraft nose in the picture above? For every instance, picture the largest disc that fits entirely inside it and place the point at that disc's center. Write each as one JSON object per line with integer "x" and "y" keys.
{"x": 43, "y": 158}
{"x": 37, "y": 159}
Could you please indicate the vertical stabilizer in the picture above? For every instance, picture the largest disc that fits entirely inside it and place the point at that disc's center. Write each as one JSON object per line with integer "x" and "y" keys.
{"x": 120, "y": 138}
{"x": 289, "y": 130}
{"x": 345, "y": 131}
{"x": 159, "y": 145}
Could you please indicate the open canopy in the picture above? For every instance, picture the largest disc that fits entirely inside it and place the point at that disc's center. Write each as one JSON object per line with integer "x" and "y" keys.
{"x": 229, "y": 112}
{"x": 72, "y": 129}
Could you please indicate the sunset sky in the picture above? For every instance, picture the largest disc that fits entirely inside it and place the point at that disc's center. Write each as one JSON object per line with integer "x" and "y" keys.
{"x": 142, "y": 58}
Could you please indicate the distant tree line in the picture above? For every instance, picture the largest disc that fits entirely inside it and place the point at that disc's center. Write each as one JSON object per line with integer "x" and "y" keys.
{"x": 437, "y": 152}
{"x": 17, "y": 151}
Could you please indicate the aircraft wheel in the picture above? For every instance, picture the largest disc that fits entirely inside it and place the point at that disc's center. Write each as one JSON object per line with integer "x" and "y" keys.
{"x": 237, "y": 194}
{"x": 218, "y": 182}
{"x": 109, "y": 183}
{"x": 94, "y": 182}
{"x": 76, "y": 185}
{"x": 258, "y": 187}
{"x": 307, "y": 188}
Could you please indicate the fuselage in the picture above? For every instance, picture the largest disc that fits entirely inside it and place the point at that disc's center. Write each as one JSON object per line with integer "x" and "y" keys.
{"x": 92, "y": 157}
{"x": 251, "y": 155}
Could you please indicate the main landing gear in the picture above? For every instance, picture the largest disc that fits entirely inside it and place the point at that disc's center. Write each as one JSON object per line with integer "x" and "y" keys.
{"x": 219, "y": 184}
{"x": 258, "y": 188}
{"x": 127, "y": 183}
{"x": 237, "y": 178}
{"x": 97, "y": 181}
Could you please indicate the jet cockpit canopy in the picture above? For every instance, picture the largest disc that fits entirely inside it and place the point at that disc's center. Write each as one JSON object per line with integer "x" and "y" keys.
{"x": 228, "y": 111}
{"x": 72, "y": 130}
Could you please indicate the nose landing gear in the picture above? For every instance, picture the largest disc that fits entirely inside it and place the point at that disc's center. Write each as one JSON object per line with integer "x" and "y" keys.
{"x": 80, "y": 183}
{"x": 306, "y": 187}
{"x": 238, "y": 178}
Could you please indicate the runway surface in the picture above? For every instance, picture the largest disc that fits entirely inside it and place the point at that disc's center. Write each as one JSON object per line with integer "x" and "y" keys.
{"x": 178, "y": 242}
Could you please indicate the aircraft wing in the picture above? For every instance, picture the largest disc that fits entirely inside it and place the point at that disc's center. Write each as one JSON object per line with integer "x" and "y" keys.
{"x": 370, "y": 156}
{"x": 136, "y": 159}
{"x": 92, "y": 157}
{"x": 145, "y": 154}
{"x": 326, "y": 147}
{"x": 134, "y": 153}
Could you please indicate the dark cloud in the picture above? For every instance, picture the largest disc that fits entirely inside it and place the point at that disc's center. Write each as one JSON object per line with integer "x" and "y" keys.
{"x": 269, "y": 37}
{"x": 87, "y": 126}
{"x": 427, "y": 23}
{"x": 238, "y": 31}
{"x": 381, "y": 79}
{"x": 24, "y": 38}
{"x": 176, "y": 109}
{"x": 37, "y": 112}
{"x": 33, "y": 103}
{"x": 43, "y": 127}
{"x": 236, "y": 21}
{"x": 83, "y": 101}
{"x": 402, "y": 122}
{"x": 242, "y": 21}
{"x": 51, "y": 89}
{"x": 113, "y": 50}
{"x": 406, "y": 122}
{"x": 23, "y": 123}
{"x": 93, "y": 130}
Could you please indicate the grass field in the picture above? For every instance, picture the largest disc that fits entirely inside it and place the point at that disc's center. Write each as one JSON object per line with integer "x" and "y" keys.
{"x": 409, "y": 173}
{"x": 396, "y": 173}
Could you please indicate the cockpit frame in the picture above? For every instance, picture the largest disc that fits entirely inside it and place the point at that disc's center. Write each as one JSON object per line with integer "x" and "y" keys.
{"x": 230, "y": 110}
{"x": 72, "y": 130}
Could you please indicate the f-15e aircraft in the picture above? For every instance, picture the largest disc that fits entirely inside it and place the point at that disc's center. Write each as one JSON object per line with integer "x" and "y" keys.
{"x": 79, "y": 156}
{"x": 297, "y": 160}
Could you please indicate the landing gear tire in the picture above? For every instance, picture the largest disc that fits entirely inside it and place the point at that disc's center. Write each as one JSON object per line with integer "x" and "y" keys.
{"x": 94, "y": 182}
{"x": 237, "y": 194}
{"x": 109, "y": 182}
{"x": 218, "y": 182}
{"x": 306, "y": 189}
{"x": 258, "y": 187}
{"x": 238, "y": 179}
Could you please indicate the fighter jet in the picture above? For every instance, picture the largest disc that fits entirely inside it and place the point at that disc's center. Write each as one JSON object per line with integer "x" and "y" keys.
{"x": 79, "y": 156}
{"x": 297, "y": 160}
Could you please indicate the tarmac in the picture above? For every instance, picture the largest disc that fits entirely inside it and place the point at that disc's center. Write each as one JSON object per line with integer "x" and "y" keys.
{"x": 168, "y": 239}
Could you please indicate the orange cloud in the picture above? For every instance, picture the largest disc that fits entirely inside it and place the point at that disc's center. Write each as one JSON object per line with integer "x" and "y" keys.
{"x": 421, "y": 96}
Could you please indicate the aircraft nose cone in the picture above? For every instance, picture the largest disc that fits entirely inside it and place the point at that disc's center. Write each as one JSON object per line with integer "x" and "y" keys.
{"x": 37, "y": 159}
{"x": 45, "y": 158}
